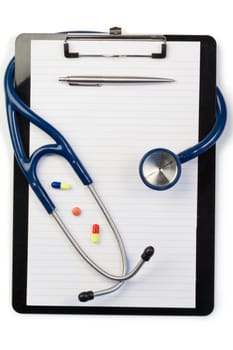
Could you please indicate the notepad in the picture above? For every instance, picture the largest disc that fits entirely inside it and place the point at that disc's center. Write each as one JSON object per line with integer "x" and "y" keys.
{"x": 110, "y": 128}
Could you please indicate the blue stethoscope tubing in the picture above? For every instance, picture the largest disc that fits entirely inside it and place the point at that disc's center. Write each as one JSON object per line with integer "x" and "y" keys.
{"x": 28, "y": 165}
{"x": 190, "y": 153}
{"x": 212, "y": 137}
{"x": 61, "y": 147}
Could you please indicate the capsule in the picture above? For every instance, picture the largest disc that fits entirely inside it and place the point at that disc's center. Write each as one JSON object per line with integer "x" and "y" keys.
{"x": 95, "y": 233}
{"x": 60, "y": 185}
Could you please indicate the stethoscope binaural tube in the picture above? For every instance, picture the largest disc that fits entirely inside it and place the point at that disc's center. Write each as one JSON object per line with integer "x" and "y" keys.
{"x": 160, "y": 168}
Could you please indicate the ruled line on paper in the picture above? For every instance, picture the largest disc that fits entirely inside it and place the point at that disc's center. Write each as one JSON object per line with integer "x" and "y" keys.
{"x": 111, "y": 129}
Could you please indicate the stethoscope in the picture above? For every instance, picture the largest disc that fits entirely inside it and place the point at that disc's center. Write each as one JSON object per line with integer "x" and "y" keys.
{"x": 159, "y": 169}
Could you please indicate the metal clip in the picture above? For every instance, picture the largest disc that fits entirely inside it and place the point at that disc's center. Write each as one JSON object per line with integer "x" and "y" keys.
{"x": 115, "y": 34}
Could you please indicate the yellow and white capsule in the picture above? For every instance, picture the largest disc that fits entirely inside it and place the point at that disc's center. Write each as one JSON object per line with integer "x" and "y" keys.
{"x": 61, "y": 185}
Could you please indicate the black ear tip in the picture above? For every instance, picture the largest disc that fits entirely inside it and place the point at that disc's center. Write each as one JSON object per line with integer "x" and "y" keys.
{"x": 85, "y": 296}
{"x": 147, "y": 254}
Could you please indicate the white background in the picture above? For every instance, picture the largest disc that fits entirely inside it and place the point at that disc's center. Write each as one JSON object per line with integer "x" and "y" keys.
{"x": 102, "y": 332}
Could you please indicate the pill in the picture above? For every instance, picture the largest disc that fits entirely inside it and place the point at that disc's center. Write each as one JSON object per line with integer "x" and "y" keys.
{"x": 76, "y": 211}
{"x": 95, "y": 233}
{"x": 60, "y": 185}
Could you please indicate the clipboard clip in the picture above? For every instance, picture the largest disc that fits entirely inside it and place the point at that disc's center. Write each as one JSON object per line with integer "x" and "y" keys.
{"x": 114, "y": 34}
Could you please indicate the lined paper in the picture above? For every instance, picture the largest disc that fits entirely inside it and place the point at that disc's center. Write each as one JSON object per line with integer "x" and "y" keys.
{"x": 110, "y": 128}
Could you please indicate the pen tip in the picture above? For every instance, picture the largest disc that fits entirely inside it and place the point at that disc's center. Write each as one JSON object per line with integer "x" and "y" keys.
{"x": 169, "y": 80}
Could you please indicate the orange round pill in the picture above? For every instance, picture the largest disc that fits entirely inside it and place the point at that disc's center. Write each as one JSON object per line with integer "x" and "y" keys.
{"x": 76, "y": 211}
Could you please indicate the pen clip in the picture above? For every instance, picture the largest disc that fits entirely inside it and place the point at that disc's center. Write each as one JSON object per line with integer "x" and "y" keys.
{"x": 84, "y": 84}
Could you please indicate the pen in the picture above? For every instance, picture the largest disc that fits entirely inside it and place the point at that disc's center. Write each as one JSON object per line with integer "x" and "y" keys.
{"x": 87, "y": 80}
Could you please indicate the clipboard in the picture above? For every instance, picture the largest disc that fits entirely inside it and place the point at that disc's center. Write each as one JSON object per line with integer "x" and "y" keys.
{"x": 204, "y": 299}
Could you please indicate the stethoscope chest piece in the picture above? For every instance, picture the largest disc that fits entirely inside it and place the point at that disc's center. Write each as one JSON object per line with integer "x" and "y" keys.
{"x": 160, "y": 169}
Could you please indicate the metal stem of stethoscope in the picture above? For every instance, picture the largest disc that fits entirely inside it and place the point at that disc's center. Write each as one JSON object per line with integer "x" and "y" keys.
{"x": 84, "y": 296}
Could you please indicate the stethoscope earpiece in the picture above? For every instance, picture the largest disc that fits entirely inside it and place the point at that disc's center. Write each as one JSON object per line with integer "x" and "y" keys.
{"x": 160, "y": 169}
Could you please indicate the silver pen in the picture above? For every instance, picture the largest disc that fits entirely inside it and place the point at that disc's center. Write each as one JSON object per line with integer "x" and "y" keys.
{"x": 88, "y": 80}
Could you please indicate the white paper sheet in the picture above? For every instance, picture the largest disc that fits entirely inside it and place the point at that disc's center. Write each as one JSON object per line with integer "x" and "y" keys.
{"x": 111, "y": 128}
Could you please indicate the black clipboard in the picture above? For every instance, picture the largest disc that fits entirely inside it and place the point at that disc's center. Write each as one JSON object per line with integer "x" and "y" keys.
{"x": 206, "y": 193}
